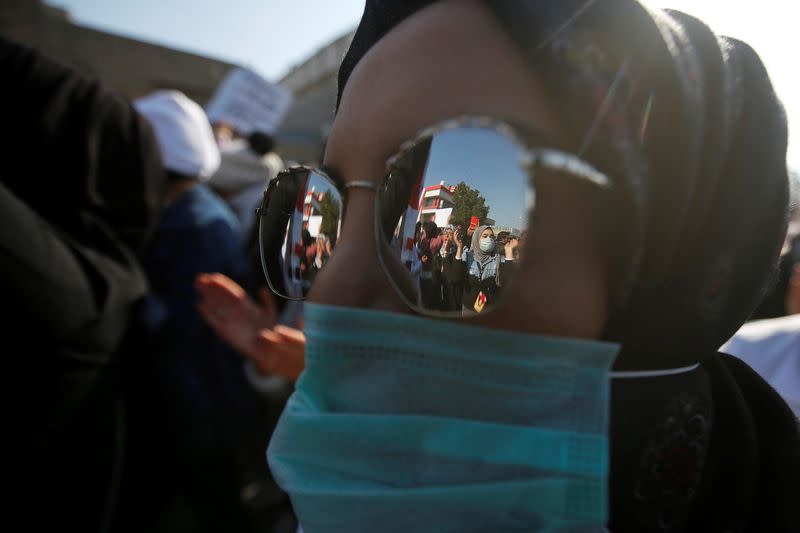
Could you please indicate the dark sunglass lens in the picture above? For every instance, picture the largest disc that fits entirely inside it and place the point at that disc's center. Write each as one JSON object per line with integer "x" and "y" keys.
{"x": 450, "y": 214}
{"x": 298, "y": 230}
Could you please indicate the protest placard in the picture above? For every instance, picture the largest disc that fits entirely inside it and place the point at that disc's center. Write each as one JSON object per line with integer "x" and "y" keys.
{"x": 249, "y": 103}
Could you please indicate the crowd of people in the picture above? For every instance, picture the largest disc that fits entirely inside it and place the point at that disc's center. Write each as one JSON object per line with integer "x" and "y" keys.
{"x": 139, "y": 416}
{"x": 450, "y": 272}
{"x": 201, "y": 354}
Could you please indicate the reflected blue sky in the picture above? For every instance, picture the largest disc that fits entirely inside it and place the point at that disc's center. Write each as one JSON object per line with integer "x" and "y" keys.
{"x": 486, "y": 161}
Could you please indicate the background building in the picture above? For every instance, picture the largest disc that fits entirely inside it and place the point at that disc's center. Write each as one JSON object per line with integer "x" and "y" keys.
{"x": 314, "y": 84}
{"x": 132, "y": 67}
{"x": 436, "y": 204}
{"x": 135, "y": 68}
{"x": 516, "y": 232}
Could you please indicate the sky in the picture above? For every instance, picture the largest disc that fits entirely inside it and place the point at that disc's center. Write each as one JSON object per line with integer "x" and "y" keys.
{"x": 271, "y": 36}
{"x": 458, "y": 155}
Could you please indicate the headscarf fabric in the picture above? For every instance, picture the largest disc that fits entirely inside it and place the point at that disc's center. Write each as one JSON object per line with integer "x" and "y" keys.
{"x": 688, "y": 126}
{"x": 475, "y": 246}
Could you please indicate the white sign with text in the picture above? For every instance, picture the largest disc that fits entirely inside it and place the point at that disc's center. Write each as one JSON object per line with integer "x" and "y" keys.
{"x": 249, "y": 103}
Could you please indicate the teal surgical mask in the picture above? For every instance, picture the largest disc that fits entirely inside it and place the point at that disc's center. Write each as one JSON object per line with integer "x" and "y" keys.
{"x": 487, "y": 244}
{"x": 390, "y": 430}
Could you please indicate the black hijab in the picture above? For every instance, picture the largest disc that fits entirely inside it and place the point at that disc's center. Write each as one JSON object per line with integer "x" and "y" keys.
{"x": 688, "y": 126}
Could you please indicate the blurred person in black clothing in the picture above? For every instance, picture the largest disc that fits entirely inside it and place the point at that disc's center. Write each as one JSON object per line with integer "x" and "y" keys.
{"x": 446, "y": 280}
{"x": 80, "y": 192}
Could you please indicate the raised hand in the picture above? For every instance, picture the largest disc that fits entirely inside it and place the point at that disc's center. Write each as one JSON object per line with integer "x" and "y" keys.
{"x": 457, "y": 237}
{"x": 232, "y": 314}
{"x": 281, "y": 351}
{"x": 511, "y": 244}
{"x": 251, "y": 328}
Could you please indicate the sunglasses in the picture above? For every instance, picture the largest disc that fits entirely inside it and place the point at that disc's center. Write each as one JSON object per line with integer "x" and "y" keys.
{"x": 476, "y": 174}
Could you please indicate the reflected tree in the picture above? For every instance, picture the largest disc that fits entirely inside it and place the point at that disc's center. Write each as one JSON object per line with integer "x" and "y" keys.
{"x": 468, "y": 202}
{"x": 329, "y": 209}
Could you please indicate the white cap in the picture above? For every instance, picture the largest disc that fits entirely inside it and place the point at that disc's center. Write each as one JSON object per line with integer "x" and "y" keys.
{"x": 183, "y": 132}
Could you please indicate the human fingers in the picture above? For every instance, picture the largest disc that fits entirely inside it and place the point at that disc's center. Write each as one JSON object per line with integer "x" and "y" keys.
{"x": 276, "y": 356}
{"x": 207, "y": 312}
{"x": 219, "y": 289}
{"x": 290, "y": 334}
{"x": 268, "y": 307}
{"x": 218, "y": 309}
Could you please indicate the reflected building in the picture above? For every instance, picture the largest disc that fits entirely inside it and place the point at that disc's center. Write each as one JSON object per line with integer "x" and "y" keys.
{"x": 312, "y": 212}
{"x": 436, "y": 204}
{"x": 304, "y": 130}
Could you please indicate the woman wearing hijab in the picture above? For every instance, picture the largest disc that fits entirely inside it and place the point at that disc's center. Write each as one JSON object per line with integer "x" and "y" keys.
{"x": 592, "y": 394}
{"x": 483, "y": 268}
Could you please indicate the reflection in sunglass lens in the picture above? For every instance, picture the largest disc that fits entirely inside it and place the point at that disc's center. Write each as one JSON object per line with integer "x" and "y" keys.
{"x": 298, "y": 230}
{"x": 451, "y": 211}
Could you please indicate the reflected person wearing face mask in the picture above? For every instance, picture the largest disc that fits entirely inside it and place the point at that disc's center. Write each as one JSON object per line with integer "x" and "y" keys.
{"x": 482, "y": 269}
